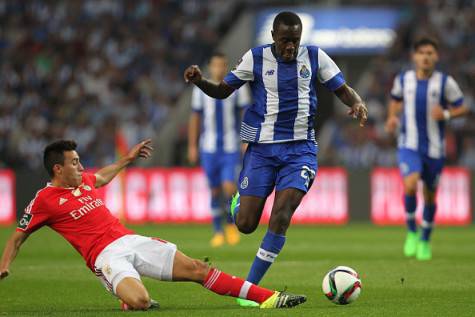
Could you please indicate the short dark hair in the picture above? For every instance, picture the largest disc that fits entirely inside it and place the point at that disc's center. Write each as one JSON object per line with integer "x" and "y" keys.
{"x": 286, "y": 18}
{"x": 54, "y": 154}
{"x": 426, "y": 40}
{"x": 218, "y": 55}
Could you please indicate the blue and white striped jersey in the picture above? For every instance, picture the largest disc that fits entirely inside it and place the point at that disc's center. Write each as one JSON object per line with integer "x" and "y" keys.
{"x": 419, "y": 131}
{"x": 220, "y": 120}
{"x": 284, "y": 93}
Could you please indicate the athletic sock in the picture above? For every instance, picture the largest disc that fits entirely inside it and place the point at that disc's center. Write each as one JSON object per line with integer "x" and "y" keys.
{"x": 225, "y": 284}
{"x": 410, "y": 203}
{"x": 427, "y": 221}
{"x": 270, "y": 248}
{"x": 216, "y": 213}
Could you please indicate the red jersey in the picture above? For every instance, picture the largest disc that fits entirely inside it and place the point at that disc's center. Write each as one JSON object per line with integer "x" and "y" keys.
{"x": 77, "y": 214}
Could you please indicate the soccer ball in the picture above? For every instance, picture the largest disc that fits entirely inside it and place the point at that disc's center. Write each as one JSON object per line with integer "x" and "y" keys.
{"x": 342, "y": 285}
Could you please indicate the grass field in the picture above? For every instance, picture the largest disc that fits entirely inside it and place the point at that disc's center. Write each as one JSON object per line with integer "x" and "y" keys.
{"x": 49, "y": 277}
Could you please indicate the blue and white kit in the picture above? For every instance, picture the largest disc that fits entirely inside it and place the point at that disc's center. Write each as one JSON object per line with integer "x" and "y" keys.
{"x": 421, "y": 140}
{"x": 279, "y": 125}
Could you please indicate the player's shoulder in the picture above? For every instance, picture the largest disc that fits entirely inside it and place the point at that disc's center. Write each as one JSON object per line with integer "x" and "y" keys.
{"x": 41, "y": 198}
{"x": 89, "y": 179}
{"x": 258, "y": 50}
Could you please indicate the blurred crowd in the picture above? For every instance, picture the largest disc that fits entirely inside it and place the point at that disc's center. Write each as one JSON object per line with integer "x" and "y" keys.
{"x": 88, "y": 70}
{"x": 452, "y": 22}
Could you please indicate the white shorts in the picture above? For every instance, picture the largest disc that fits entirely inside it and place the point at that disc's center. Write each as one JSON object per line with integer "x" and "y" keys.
{"x": 135, "y": 256}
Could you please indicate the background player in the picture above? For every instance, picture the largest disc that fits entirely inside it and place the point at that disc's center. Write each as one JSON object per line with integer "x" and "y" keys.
{"x": 219, "y": 146}
{"x": 426, "y": 99}
{"x": 70, "y": 206}
{"x": 279, "y": 128}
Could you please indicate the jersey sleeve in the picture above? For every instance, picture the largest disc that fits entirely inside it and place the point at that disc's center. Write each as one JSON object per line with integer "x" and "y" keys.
{"x": 34, "y": 217}
{"x": 197, "y": 100}
{"x": 243, "y": 97}
{"x": 453, "y": 93}
{"x": 328, "y": 72}
{"x": 243, "y": 72}
{"x": 396, "y": 90}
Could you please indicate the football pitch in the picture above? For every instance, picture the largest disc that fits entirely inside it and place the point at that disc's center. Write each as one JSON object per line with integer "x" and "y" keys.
{"x": 50, "y": 279}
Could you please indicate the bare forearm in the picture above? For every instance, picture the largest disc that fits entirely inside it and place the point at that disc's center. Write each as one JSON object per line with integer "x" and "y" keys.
{"x": 459, "y": 111}
{"x": 193, "y": 130}
{"x": 11, "y": 250}
{"x": 395, "y": 108}
{"x": 348, "y": 95}
{"x": 214, "y": 90}
{"x": 107, "y": 173}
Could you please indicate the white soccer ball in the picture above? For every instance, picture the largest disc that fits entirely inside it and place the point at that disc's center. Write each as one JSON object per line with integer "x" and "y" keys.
{"x": 342, "y": 285}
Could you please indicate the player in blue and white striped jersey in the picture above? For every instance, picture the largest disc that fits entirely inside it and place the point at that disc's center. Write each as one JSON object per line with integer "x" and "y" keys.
{"x": 282, "y": 151}
{"x": 216, "y": 123}
{"x": 423, "y": 100}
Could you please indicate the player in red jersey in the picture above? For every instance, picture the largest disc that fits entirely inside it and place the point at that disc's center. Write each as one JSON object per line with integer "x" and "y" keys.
{"x": 119, "y": 257}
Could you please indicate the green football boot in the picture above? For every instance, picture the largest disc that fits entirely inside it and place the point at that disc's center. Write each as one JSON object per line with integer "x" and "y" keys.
{"x": 410, "y": 246}
{"x": 235, "y": 202}
{"x": 246, "y": 303}
{"x": 424, "y": 251}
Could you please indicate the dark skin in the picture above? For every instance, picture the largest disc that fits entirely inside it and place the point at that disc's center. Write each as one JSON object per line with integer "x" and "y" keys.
{"x": 285, "y": 47}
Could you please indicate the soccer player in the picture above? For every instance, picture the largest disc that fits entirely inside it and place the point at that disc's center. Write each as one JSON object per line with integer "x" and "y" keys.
{"x": 115, "y": 254}
{"x": 282, "y": 151}
{"x": 219, "y": 146}
{"x": 425, "y": 100}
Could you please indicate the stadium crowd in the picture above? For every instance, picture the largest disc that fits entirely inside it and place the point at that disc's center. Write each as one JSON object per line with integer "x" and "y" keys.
{"x": 452, "y": 24}
{"x": 87, "y": 69}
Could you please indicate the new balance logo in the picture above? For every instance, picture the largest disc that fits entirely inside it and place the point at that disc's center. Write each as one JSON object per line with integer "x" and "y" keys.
{"x": 62, "y": 201}
{"x": 270, "y": 72}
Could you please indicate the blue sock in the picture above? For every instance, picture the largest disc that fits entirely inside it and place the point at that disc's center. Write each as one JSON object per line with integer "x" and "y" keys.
{"x": 427, "y": 221}
{"x": 270, "y": 248}
{"x": 410, "y": 204}
{"x": 216, "y": 214}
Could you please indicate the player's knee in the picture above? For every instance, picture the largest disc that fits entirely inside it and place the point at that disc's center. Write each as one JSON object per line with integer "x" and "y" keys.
{"x": 139, "y": 302}
{"x": 245, "y": 225}
{"x": 280, "y": 221}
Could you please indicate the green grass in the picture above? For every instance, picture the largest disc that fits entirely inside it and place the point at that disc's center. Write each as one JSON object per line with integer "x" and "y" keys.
{"x": 49, "y": 277}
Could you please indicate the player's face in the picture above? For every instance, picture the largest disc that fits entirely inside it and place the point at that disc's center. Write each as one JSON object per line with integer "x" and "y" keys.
{"x": 218, "y": 67}
{"x": 70, "y": 172}
{"x": 287, "y": 41}
{"x": 425, "y": 57}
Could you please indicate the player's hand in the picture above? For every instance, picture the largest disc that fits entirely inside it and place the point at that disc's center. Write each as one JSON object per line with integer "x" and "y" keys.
{"x": 391, "y": 124}
{"x": 438, "y": 113}
{"x": 193, "y": 155}
{"x": 4, "y": 274}
{"x": 360, "y": 112}
{"x": 143, "y": 149}
{"x": 193, "y": 74}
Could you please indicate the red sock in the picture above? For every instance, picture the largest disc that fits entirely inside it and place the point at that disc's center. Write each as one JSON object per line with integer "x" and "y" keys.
{"x": 224, "y": 284}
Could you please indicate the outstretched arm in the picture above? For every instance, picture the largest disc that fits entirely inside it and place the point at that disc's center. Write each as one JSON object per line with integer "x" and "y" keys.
{"x": 106, "y": 174}
{"x": 193, "y": 136}
{"x": 215, "y": 90}
{"x": 11, "y": 250}
{"x": 349, "y": 97}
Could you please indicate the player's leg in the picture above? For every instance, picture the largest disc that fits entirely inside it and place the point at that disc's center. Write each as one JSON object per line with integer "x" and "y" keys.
{"x": 229, "y": 173}
{"x": 133, "y": 293}
{"x": 256, "y": 182}
{"x": 294, "y": 179}
{"x": 410, "y": 165}
{"x": 188, "y": 269}
{"x": 432, "y": 168}
{"x": 211, "y": 166}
